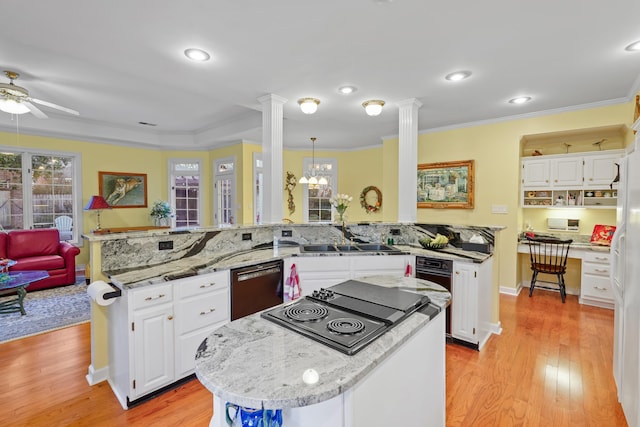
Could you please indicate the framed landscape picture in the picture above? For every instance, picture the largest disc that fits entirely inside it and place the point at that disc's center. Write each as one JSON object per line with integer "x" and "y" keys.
{"x": 123, "y": 190}
{"x": 445, "y": 185}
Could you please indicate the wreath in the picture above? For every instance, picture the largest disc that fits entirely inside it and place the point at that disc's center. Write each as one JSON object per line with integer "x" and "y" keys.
{"x": 363, "y": 199}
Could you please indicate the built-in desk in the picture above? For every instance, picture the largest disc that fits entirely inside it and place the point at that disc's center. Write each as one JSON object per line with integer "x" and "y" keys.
{"x": 588, "y": 267}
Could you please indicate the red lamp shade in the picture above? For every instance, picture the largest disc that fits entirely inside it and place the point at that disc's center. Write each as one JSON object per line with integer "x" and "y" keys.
{"x": 96, "y": 202}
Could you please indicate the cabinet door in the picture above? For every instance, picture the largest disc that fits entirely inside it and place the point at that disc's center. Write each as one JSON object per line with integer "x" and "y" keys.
{"x": 535, "y": 173}
{"x": 464, "y": 303}
{"x": 153, "y": 349}
{"x": 389, "y": 265}
{"x": 566, "y": 172}
{"x": 601, "y": 170}
{"x": 320, "y": 272}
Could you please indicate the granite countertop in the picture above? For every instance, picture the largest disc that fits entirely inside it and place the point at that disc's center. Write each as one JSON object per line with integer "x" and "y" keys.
{"x": 256, "y": 363}
{"x": 197, "y": 265}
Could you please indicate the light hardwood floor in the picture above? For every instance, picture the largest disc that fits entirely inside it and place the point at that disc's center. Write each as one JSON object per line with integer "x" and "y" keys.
{"x": 550, "y": 367}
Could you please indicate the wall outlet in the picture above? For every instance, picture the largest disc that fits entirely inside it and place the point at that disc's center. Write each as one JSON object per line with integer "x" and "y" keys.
{"x": 165, "y": 245}
{"x": 395, "y": 231}
{"x": 287, "y": 233}
{"x": 246, "y": 236}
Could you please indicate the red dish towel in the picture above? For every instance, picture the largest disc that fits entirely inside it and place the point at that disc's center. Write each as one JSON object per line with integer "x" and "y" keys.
{"x": 292, "y": 288}
{"x": 408, "y": 272}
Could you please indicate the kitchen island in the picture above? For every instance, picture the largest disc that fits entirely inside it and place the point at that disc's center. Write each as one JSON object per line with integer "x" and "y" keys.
{"x": 398, "y": 379}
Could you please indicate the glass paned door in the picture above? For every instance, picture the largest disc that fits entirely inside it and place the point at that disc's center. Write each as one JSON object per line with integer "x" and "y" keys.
{"x": 185, "y": 186}
{"x": 11, "y": 191}
{"x": 224, "y": 192}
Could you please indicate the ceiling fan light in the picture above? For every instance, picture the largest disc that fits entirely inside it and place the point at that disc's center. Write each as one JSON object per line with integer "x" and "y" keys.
{"x": 633, "y": 47}
{"x": 13, "y": 107}
{"x": 373, "y": 107}
{"x": 308, "y": 105}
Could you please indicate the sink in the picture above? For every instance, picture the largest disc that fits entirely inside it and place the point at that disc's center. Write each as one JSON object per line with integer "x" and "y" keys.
{"x": 318, "y": 248}
{"x": 376, "y": 247}
{"x": 347, "y": 248}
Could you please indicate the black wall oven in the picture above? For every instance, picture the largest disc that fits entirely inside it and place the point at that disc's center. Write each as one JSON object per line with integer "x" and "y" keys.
{"x": 439, "y": 271}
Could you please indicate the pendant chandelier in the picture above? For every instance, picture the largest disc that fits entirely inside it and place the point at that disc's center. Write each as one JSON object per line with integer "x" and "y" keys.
{"x": 314, "y": 175}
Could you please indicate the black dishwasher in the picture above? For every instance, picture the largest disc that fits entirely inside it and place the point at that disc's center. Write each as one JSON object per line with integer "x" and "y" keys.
{"x": 255, "y": 288}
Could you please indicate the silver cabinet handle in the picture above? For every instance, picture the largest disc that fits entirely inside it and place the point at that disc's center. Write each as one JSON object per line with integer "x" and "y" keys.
{"x": 601, "y": 271}
{"x": 207, "y": 285}
{"x": 599, "y": 258}
{"x": 211, "y": 310}
{"x": 599, "y": 288}
{"x": 152, "y": 298}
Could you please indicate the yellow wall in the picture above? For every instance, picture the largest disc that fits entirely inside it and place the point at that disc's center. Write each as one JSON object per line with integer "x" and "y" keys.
{"x": 496, "y": 150}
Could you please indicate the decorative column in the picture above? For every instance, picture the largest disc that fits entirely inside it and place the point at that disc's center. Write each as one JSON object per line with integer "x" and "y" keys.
{"x": 408, "y": 160}
{"x": 272, "y": 157}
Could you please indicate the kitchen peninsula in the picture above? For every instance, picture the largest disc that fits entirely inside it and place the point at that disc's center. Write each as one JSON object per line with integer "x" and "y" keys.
{"x": 398, "y": 379}
{"x": 176, "y": 287}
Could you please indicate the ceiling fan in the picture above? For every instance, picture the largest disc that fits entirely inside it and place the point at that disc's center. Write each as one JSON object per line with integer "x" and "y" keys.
{"x": 16, "y": 100}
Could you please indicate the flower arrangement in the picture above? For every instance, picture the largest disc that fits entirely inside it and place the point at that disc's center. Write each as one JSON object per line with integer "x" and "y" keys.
{"x": 341, "y": 202}
{"x": 160, "y": 211}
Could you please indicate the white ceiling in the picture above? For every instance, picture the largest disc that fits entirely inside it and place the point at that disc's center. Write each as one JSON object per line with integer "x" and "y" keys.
{"x": 121, "y": 62}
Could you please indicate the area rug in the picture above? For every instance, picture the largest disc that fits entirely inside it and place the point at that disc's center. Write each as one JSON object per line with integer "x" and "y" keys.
{"x": 47, "y": 310}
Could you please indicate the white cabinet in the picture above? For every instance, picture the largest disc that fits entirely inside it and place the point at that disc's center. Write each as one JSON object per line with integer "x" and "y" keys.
{"x": 153, "y": 349}
{"x": 535, "y": 173}
{"x": 600, "y": 170}
{"x": 566, "y": 172}
{"x": 154, "y": 332}
{"x": 570, "y": 180}
{"x": 392, "y": 265}
{"x": 202, "y": 304}
{"x": 317, "y": 272}
{"x": 471, "y": 302}
{"x": 595, "y": 285}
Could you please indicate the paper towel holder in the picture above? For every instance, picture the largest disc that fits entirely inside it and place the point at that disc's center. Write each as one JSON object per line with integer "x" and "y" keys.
{"x": 117, "y": 292}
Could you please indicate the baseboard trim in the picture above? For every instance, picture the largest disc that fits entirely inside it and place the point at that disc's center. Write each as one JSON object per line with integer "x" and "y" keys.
{"x": 94, "y": 377}
{"x": 496, "y": 328}
{"x": 510, "y": 291}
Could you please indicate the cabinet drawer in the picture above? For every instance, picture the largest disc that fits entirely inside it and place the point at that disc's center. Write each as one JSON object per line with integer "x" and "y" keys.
{"x": 205, "y": 310}
{"x": 198, "y": 285}
{"x": 596, "y": 287}
{"x": 186, "y": 349}
{"x": 595, "y": 269}
{"x": 152, "y": 295}
{"x": 599, "y": 257}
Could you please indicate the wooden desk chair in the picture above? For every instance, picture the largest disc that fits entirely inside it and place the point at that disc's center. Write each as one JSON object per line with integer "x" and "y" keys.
{"x": 548, "y": 256}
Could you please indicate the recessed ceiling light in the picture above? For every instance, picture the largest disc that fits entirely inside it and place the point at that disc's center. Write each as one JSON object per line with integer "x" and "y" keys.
{"x": 457, "y": 76}
{"x": 345, "y": 90}
{"x": 197, "y": 54}
{"x": 633, "y": 47}
{"x": 520, "y": 100}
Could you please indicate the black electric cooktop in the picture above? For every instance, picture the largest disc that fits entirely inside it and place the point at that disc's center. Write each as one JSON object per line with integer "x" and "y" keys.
{"x": 349, "y": 315}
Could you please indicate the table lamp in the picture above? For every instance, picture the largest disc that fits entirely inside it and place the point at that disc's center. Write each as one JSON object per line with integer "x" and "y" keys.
{"x": 97, "y": 203}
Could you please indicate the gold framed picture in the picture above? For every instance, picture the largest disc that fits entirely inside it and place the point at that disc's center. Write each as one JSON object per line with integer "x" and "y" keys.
{"x": 446, "y": 185}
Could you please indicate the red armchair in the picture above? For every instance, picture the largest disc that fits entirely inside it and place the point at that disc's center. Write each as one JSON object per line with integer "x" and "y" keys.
{"x": 41, "y": 249}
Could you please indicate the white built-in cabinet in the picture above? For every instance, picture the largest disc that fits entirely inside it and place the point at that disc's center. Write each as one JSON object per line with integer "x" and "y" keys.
{"x": 595, "y": 283}
{"x": 570, "y": 180}
{"x": 154, "y": 332}
{"x": 323, "y": 271}
{"x": 471, "y": 302}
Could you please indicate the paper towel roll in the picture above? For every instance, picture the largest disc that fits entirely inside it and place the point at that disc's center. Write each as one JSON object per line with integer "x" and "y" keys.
{"x": 97, "y": 290}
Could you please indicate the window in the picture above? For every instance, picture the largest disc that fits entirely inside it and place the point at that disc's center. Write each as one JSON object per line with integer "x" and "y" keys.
{"x": 36, "y": 189}
{"x": 258, "y": 187}
{"x": 184, "y": 181}
{"x": 316, "y": 197}
{"x": 224, "y": 183}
